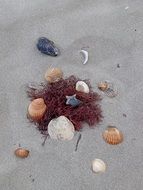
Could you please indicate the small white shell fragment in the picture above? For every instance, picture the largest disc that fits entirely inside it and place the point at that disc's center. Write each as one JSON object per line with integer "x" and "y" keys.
{"x": 98, "y": 166}
{"x": 81, "y": 86}
{"x": 126, "y": 8}
{"x": 61, "y": 128}
{"x": 85, "y": 54}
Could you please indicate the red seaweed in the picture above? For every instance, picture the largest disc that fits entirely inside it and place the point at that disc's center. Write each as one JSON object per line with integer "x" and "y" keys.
{"x": 54, "y": 95}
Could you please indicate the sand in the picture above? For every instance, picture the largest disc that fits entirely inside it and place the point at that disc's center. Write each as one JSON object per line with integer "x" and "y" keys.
{"x": 111, "y": 31}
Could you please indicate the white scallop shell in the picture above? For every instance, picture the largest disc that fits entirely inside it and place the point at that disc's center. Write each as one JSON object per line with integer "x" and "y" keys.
{"x": 82, "y": 87}
{"x": 98, "y": 166}
{"x": 61, "y": 128}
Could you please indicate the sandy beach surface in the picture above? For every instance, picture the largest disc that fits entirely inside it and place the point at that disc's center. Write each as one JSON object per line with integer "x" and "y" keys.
{"x": 112, "y": 32}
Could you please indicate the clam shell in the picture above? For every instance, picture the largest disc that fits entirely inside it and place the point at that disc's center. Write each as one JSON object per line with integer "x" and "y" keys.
{"x": 61, "y": 128}
{"x": 81, "y": 86}
{"x": 53, "y": 75}
{"x": 98, "y": 166}
{"x": 21, "y": 153}
{"x": 112, "y": 135}
{"x": 47, "y": 47}
{"x": 37, "y": 109}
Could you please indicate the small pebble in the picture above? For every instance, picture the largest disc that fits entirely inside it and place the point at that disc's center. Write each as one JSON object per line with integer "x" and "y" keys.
{"x": 124, "y": 115}
{"x": 118, "y": 66}
{"x": 33, "y": 180}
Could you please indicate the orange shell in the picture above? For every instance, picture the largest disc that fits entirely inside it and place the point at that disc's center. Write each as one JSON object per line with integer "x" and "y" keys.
{"x": 21, "y": 153}
{"x": 37, "y": 109}
{"x": 53, "y": 75}
{"x": 103, "y": 86}
{"x": 112, "y": 135}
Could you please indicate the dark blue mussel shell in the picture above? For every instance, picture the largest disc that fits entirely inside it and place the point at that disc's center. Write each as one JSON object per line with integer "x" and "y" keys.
{"x": 47, "y": 47}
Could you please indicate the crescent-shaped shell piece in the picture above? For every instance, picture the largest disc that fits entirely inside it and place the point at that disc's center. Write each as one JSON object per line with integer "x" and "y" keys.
{"x": 85, "y": 54}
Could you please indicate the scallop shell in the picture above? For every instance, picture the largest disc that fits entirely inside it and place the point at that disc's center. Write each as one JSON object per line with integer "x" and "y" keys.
{"x": 37, "y": 109}
{"x": 81, "y": 86}
{"x": 108, "y": 88}
{"x": 53, "y": 75}
{"x": 112, "y": 135}
{"x": 98, "y": 166}
{"x": 21, "y": 153}
{"x": 61, "y": 128}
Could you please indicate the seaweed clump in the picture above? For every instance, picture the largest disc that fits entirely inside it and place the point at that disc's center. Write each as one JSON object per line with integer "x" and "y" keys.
{"x": 54, "y": 95}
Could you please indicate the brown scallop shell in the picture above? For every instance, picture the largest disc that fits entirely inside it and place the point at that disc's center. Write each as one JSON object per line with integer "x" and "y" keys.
{"x": 53, "y": 75}
{"x": 21, "y": 153}
{"x": 112, "y": 135}
{"x": 37, "y": 109}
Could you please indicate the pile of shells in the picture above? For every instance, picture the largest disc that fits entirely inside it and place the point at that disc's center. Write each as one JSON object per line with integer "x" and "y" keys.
{"x": 62, "y": 128}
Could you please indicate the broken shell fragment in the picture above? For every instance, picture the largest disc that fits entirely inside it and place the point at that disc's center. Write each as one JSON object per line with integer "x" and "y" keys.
{"x": 111, "y": 92}
{"x": 47, "y": 47}
{"x": 53, "y": 75}
{"x": 37, "y": 109}
{"x": 112, "y": 135}
{"x": 108, "y": 88}
{"x": 81, "y": 86}
{"x": 21, "y": 153}
{"x": 98, "y": 166}
{"x": 103, "y": 86}
{"x": 73, "y": 101}
{"x": 61, "y": 128}
{"x": 85, "y": 54}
